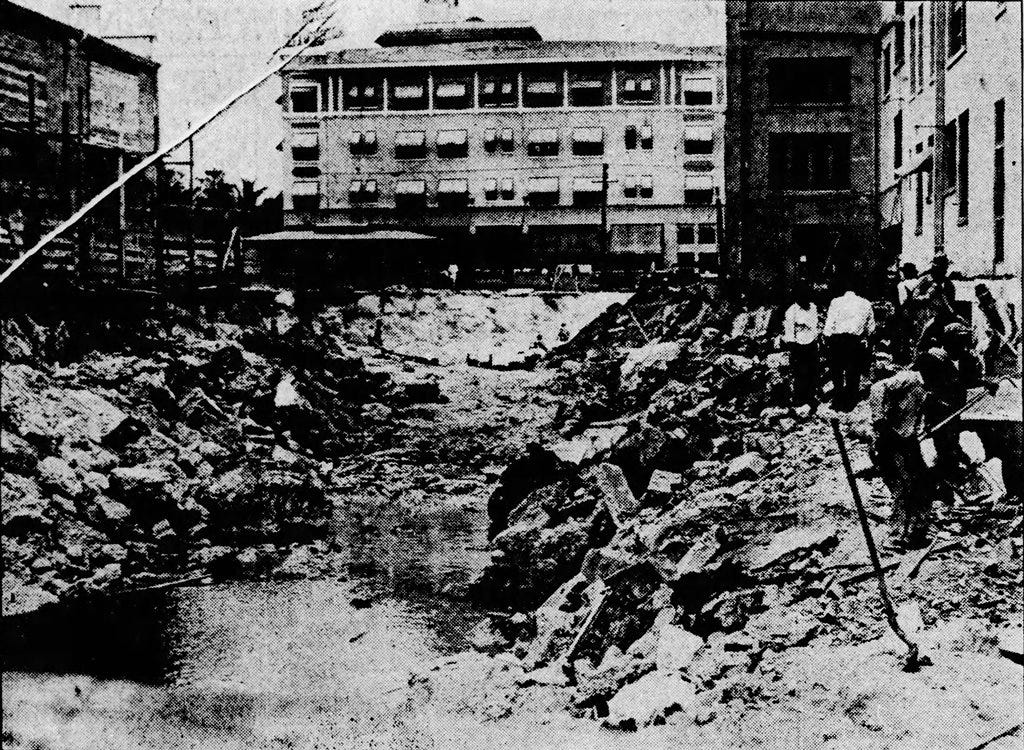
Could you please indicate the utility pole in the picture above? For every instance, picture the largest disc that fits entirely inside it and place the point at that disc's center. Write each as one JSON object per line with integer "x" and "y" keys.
{"x": 121, "y": 197}
{"x": 604, "y": 208}
{"x": 78, "y": 185}
{"x": 723, "y": 250}
{"x": 190, "y": 237}
{"x": 939, "y": 152}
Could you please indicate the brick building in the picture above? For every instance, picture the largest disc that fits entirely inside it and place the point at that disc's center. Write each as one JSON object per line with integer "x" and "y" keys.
{"x": 514, "y": 150}
{"x": 800, "y": 141}
{"x": 74, "y": 110}
{"x": 949, "y": 161}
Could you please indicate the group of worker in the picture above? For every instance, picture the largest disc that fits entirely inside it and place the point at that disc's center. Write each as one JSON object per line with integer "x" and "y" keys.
{"x": 915, "y": 413}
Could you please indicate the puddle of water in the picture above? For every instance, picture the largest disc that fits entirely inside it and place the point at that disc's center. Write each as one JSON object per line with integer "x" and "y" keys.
{"x": 249, "y": 651}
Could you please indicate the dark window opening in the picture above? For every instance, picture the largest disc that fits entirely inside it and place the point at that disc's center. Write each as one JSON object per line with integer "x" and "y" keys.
{"x": 587, "y": 93}
{"x": 543, "y": 191}
{"x": 957, "y": 26}
{"x": 897, "y": 140}
{"x": 543, "y": 92}
{"x": 362, "y": 191}
{"x": 452, "y": 144}
{"x": 307, "y": 172}
{"x": 588, "y": 142}
{"x": 646, "y": 137}
{"x": 490, "y": 140}
{"x": 810, "y": 161}
{"x": 886, "y": 69}
{"x": 631, "y": 137}
{"x": 453, "y": 94}
{"x": 699, "y": 92}
{"x": 637, "y": 90}
{"x": 305, "y": 98}
{"x": 366, "y": 95}
{"x": 411, "y": 144}
{"x": 949, "y": 155}
{"x": 698, "y": 145}
{"x": 364, "y": 144}
{"x": 508, "y": 189}
{"x": 306, "y": 203}
{"x": 408, "y": 95}
{"x": 706, "y": 234}
{"x": 543, "y": 142}
{"x": 899, "y": 46}
{"x": 647, "y": 186}
{"x": 499, "y": 92}
{"x": 963, "y": 162}
{"x": 686, "y": 234}
{"x": 809, "y": 81}
{"x": 491, "y": 189}
{"x": 699, "y": 196}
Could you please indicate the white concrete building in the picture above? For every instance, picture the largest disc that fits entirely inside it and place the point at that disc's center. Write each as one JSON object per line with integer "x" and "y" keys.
{"x": 949, "y": 156}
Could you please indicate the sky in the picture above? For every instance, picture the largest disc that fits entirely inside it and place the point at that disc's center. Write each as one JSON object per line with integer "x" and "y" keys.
{"x": 208, "y": 49}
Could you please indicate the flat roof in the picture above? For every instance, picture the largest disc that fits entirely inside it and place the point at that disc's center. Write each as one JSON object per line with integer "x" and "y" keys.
{"x": 447, "y": 32}
{"x": 315, "y": 235}
{"x": 97, "y": 44}
{"x": 506, "y": 52}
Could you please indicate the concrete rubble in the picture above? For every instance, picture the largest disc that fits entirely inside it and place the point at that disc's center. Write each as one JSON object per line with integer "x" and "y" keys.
{"x": 669, "y": 573}
{"x": 123, "y": 470}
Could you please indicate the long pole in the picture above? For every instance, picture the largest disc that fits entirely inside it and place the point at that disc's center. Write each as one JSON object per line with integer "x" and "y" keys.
{"x": 190, "y": 232}
{"x": 913, "y": 659}
{"x": 157, "y": 155}
{"x": 604, "y": 209}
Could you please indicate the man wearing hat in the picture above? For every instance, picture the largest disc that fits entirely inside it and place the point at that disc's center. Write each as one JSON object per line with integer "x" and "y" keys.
{"x": 932, "y": 303}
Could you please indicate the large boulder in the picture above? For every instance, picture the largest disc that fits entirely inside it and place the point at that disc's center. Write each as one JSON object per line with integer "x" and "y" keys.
{"x": 48, "y": 416}
{"x": 649, "y": 700}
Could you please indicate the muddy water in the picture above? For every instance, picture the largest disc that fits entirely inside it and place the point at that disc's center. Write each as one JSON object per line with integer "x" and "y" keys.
{"x": 230, "y": 656}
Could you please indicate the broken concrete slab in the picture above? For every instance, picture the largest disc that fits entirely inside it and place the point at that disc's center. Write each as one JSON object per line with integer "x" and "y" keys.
{"x": 57, "y": 474}
{"x": 661, "y": 486}
{"x": 676, "y": 648}
{"x": 748, "y": 466}
{"x": 614, "y": 492}
{"x": 789, "y": 544}
{"x": 649, "y": 700}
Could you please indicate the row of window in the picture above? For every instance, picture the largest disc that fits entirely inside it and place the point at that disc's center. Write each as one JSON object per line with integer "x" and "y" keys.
{"x": 956, "y": 174}
{"x": 910, "y": 38}
{"x": 454, "y": 144}
{"x": 361, "y": 91}
{"x": 455, "y": 191}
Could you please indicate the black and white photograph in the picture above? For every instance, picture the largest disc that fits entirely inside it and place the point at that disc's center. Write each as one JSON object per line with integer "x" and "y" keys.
{"x": 499, "y": 374}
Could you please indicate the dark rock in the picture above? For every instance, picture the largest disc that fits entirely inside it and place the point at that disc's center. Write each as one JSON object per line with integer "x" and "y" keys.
{"x": 534, "y": 469}
{"x": 17, "y": 454}
{"x": 153, "y": 482}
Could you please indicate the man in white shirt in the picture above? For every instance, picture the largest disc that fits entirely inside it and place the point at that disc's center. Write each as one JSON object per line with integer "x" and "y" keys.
{"x": 849, "y": 324}
{"x": 800, "y": 329}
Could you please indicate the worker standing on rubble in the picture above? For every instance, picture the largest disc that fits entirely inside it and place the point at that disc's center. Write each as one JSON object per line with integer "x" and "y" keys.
{"x": 849, "y": 324}
{"x": 999, "y": 331}
{"x": 898, "y": 405}
{"x": 958, "y": 371}
{"x": 931, "y": 304}
{"x": 800, "y": 329}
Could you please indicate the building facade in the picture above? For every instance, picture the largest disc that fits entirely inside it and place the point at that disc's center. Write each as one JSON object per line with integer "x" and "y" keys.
{"x": 950, "y": 151}
{"x": 516, "y": 151}
{"x": 800, "y": 142}
{"x": 74, "y": 111}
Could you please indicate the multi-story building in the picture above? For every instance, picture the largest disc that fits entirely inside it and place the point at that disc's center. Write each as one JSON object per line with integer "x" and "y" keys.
{"x": 74, "y": 110}
{"x": 800, "y": 141}
{"x": 949, "y": 161}
{"x": 514, "y": 150}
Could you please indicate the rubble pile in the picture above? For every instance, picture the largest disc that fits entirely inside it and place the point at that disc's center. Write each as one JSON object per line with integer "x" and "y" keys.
{"x": 689, "y": 531}
{"x": 207, "y": 453}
